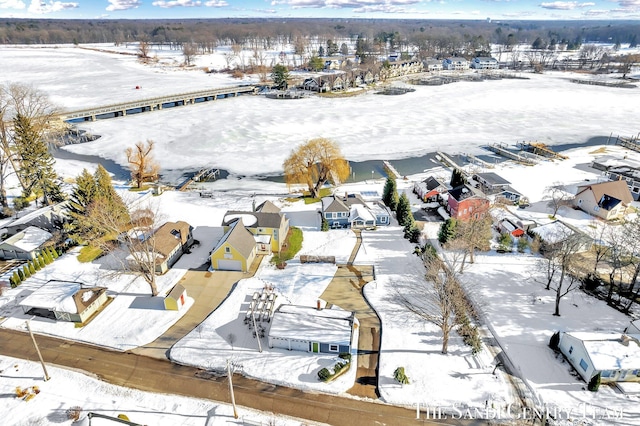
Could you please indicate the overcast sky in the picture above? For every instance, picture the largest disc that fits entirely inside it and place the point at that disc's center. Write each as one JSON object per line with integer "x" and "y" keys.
{"x": 401, "y": 9}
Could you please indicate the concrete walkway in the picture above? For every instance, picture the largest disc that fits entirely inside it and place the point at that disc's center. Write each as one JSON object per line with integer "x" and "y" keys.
{"x": 208, "y": 289}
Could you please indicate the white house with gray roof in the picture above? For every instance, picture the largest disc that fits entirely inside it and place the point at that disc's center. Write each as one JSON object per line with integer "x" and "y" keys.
{"x": 615, "y": 356}
{"x": 25, "y": 244}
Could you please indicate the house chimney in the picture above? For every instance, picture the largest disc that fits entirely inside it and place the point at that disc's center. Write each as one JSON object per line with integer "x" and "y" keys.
{"x": 318, "y": 305}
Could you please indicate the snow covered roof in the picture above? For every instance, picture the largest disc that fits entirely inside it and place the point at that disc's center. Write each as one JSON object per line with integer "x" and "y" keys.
{"x": 553, "y": 232}
{"x": 611, "y": 351}
{"x": 359, "y": 211}
{"x": 28, "y": 240}
{"x": 307, "y": 323}
{"x": 59, "y": 296}
{"x": 265, "y": 239}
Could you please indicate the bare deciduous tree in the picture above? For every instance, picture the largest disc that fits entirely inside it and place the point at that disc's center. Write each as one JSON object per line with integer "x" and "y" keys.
{"x": 132, "y": 248}
{"x": 437, "y": 299}
{"x": 471, "y": 235}
{"x": 557, "y": 197}
{"x": 189, "y": 52}
{"x": 143, "y": 50}
{"x": 143, "y": 167}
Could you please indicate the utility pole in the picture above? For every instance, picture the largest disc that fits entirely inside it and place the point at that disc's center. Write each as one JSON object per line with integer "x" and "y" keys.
{"x": 46, "y": 375}
{"x": 233, "y": 398}
{"x": 255, "y": 329}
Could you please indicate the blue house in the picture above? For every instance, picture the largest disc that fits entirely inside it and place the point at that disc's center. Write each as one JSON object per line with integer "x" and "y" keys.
{"x": 353, "y": 211}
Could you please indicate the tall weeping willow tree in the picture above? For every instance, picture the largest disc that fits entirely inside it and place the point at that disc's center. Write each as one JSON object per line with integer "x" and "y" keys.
{"x": 315, "y": 163}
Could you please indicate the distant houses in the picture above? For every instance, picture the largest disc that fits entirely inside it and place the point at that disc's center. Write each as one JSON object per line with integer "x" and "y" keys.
{"x": 484, "y": 63}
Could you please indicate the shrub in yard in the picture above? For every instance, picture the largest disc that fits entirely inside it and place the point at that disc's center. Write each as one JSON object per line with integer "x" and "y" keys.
{"x": 400, "y": 376}
{"x": 36, "y": 264}
{"x": 54, "y": 253}
{"x": 346, "y": 356}
{"x": 522, "y": 244}
{"x": 25, "y": 270}
{"x": 32, "y": 268}
{"x": 339, "y": 366}
{"x": 325, "y": 225}
{"x": 13, "y": 280}
{"x": 73, "y": 413}
{"x": 594, "y": 383}
{"x": 324, "y": 374}
{"x": 46, "y": 255}
{"x": 21, "y": 274}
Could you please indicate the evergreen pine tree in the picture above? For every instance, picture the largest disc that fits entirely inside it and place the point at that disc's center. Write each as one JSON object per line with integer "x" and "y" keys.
{"x": 41, "y": 260}
{"x": 104, "y": 188}
{"x": 447, "y": 230}
{"x": 390, "y": 193}
{"x": 21, "y": 274}
{"x": 54, "y": 253}
{"x": 36, "y": 263}
{"x": 36, "y": 170}
{"x": 403, "y": 210}
{"x": 26, "y": 270}
{"x": 32, "y": 268}
{"x": 457, "y": 178}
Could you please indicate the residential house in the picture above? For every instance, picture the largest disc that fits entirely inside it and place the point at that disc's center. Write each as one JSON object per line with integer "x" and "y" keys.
{"x": 484, "y": 63}
{"x": 49, "y": 218}
{"x": 352, "y": 210}
{"x": 432, "y": 65}
{"x": 267, "y": 223}
{"x": 430, "y": 189}
{"x": 606, "y": 200}
{"x": 455, "y": 64}
{"x": 616, "y": 357}
{"x": 308, "y": 329}
{"x": 555, "y": 233}
{"x": 171, "y": 241}
{"x": 65, "y": 301}
{"x": 236, "y": 250}
{"x": 466, "y": 202}
{"x": 490, "y": 182}
{"x": 26, "y": 244}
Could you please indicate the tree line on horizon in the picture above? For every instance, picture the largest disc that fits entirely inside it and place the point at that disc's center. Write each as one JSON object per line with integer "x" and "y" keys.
{"x": 428, "y": 36}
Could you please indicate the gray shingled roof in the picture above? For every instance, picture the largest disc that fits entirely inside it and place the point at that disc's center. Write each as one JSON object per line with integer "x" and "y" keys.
{"x": 239, "y": 238}
{"x": 263, "y": 219}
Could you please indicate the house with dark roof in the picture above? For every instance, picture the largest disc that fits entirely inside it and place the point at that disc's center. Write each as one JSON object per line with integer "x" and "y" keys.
{"x": 171, "y": 241}
{"x": 236, "y": 250}
{"x": 430, "y": 189}
{"x": 267, "y": 223}
{"x": 491, "y": 182}
{"x": 466, "y": 202}
{"x": 351, "y": 210}
{"x": 606, "y": 200}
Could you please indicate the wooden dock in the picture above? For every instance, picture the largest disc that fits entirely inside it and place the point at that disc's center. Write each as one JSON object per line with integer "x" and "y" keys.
{"x": 632, "y": 143}
{"x": 444, "y": 159}
{"x": 475, "y": 160}
{"x": 391, "y": 170}
{"x": 203, "y": 175}
{"x": 541, "y": 150}
{"x": 501, "y": 149}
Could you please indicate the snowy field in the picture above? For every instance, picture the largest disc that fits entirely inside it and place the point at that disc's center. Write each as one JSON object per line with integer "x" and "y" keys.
{"x": 249, "y": 136}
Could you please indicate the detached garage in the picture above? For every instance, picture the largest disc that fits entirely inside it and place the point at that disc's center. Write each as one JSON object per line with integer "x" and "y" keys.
{"x": 236, "y": 250}
{"x": 307, "y": 329}
{"x": 65, "y": 301}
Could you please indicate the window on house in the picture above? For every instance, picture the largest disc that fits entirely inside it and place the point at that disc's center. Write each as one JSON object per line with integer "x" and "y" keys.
{"x": 596, "y": 208}
{"x": 579, "y": 202}
{"x": 583, "y": 364}
{"x": 227, "y": 249}
{"x": 328, "y": 215}
{"x": 333, "y": 348}
{"x": 605, "y": 373}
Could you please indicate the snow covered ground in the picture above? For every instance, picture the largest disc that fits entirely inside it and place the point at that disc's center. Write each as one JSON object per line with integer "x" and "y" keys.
{"x": 250, "y": 137}
{"x": 67, "y": 389}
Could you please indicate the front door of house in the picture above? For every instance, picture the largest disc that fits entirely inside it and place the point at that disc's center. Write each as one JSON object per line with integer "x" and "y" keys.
{"x": 315, "y": 347}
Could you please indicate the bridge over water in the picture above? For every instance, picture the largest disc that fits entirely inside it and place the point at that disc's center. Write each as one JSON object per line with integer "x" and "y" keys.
{"x": 155, "y": 104}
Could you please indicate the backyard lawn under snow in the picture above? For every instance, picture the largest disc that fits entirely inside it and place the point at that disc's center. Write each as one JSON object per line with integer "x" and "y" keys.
{"x": 252, "y": 135}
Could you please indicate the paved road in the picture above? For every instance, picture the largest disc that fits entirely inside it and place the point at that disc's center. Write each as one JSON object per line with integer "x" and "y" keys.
{"x": 156, "y": 375}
